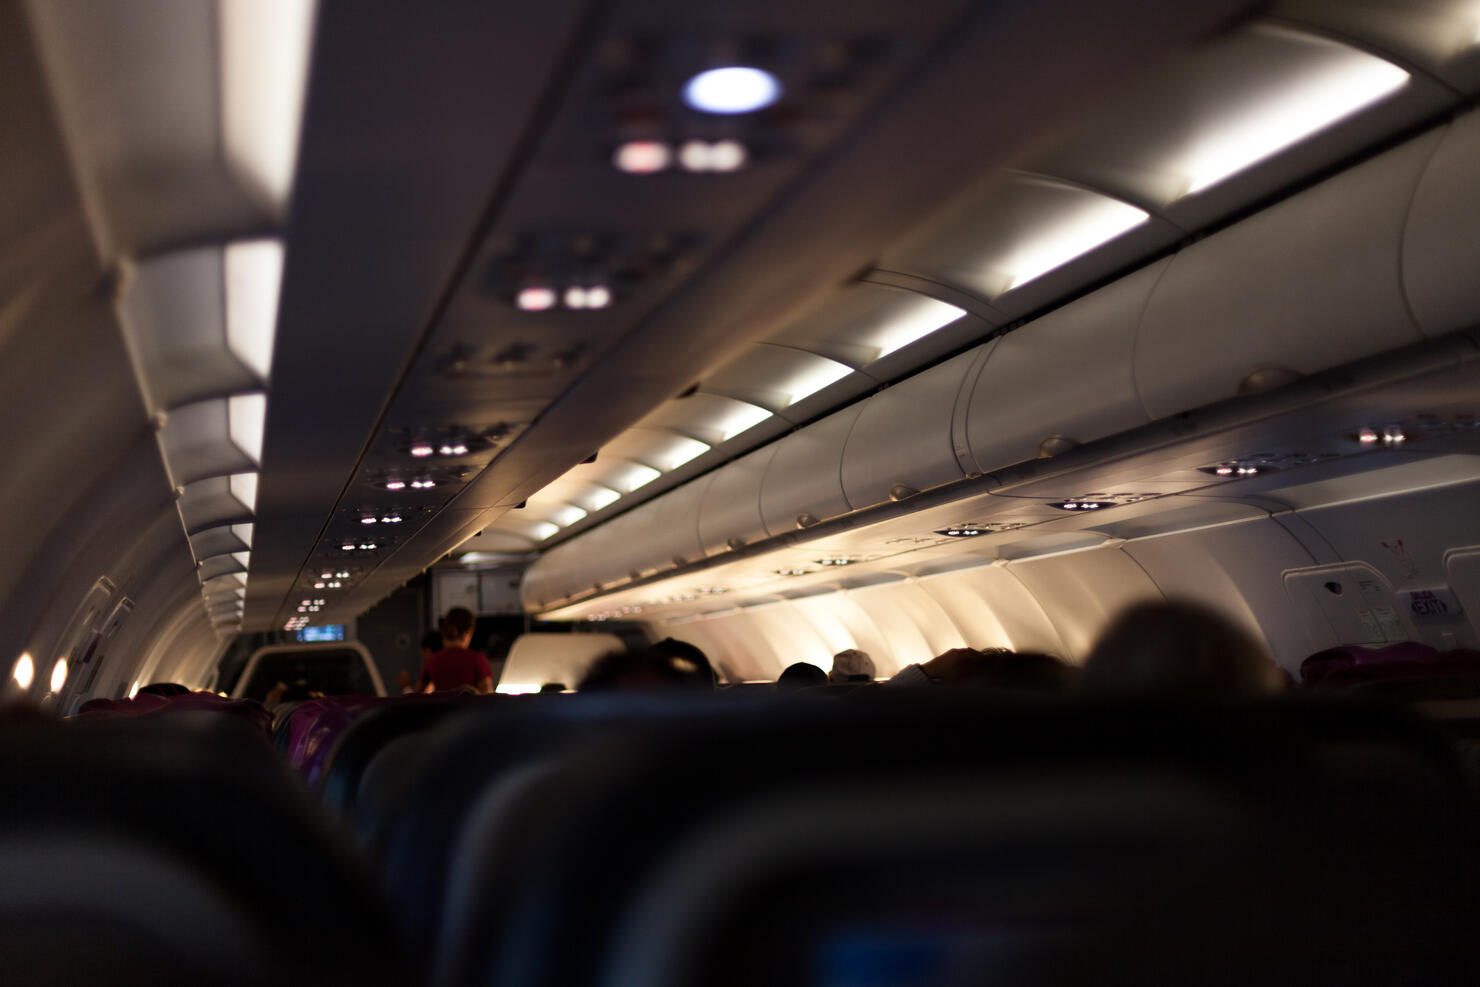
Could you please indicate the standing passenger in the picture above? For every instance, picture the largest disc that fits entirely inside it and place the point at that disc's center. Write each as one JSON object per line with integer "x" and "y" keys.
{"x": 456, "y": 664}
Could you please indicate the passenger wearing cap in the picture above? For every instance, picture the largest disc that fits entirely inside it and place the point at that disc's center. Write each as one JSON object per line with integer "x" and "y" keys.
{"x": 851, "y": 665}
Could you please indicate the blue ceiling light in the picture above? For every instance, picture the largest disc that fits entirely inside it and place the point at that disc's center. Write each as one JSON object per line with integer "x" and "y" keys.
{"x": 732, "y": 89}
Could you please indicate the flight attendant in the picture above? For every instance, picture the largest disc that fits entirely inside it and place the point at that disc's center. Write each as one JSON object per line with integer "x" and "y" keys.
{"x": 456, "y": 664}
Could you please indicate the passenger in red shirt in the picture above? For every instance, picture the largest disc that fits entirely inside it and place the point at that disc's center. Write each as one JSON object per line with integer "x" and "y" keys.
{"x": 457, "y": 665}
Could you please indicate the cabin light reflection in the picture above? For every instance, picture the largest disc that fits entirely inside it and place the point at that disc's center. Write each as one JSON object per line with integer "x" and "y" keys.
{"x": 744, "y": 417}
{"x": 1338, "y": 82}
{"x": 821, "y": 373}
{"x": 567, "y": 514}
{"x": 632, "y": 476}
{"x": 254, "y": 276}
{"x": 265, "y": 49}
{"x": 678, "y": 450}
{"x": 602, "y": 497}
{"x": 924, "y": 317}
{"x": 1094, "y": 221}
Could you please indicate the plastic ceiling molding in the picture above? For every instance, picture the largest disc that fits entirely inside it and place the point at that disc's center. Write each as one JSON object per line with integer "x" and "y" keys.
{"x": 200, "y": 322}
{"x": 204, "y": 141}
{"x": 218, "y": 437}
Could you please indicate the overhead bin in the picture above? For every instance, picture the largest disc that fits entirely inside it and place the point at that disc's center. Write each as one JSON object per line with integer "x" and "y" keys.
{"x": 1307, "y": 284}
{"x": 658, "y": 535}
{"x": 1068, "y": 374}
{"x": 730, "y": 514}
{"x": 1440, "y": 250}
{"x": 1024, "y": 240}
{"x": 804, "y": 481}
{"x": 901, "y": 440}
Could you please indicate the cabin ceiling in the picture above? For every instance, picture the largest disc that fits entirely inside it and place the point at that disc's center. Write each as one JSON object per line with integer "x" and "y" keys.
{"x": 894, "y": 208}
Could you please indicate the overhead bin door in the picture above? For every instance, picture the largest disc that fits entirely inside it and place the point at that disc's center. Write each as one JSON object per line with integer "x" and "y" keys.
{"x": 804, "y": 480}
{"x": 730, "y": 515}
{"x": 902, "y": 437}
{"x": 1310, "y": 283}
{"x": 1441, "y": 252}
{"x": 1068, "y": 374}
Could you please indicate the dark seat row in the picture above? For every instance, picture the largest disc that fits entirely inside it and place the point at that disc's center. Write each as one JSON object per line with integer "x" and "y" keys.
{"x": 920, "y": 837}
{"x": 613, "y": 840}
{"x": 174, "y": 850}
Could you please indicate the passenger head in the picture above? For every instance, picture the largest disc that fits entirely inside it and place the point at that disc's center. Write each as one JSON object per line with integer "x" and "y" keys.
{"x": 649, "y": 669}
{"x": 1178, "y": 649}
{"x": 164, "y": 689}
{"x": 799, "y": 676}
{"x": 431, "y": 643}
{"x": 457, "y": 627}
{"x": 1017, "y": 671}
{"x": 851, "y": 666}
{"x": 686, "y": 658}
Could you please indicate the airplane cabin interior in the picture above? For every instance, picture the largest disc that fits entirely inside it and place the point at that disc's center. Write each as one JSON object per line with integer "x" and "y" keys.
{"x": 785, "y": 330}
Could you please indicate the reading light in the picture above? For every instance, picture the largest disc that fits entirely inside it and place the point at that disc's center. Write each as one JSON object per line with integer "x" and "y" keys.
{"x": 963, "y": 531}
{"x": 1092, "y": 221}
{"x": 458, "y": 449}
{"x": 727, "y": 155}
{"x": 722, "y": 156}
{"x": 732, "y": 89}
{"x": 1393, "y": 435}
{"x": 642, "y": 157}
{"x": 839, "y": 561}
{"x": 1224, "y": 470}
{"x": 1367, "y": 437}
{"x": 1081, "y": 505}
{"x": 342, "y": 574}
{"x": 922, "y": 318}
{"x": 535, "y": 298}
{"x": 335, "y": 584}
{"x": 421, "y": 450}
{"x": 391, "y": 519}
{"x": 24, "y": 671}
{"x": 1336, "y": 82}
{"x": 324, "y": 575}
{"x": 596, "y": 296}
{"x": 347, "y": 547}
{"x": 368, "y": 546}
{"x": 794, "y": 572}
{"x": 319, "y": 585}
{"x": 59, "y": 675}
{"x": 395, "y": 484}
{"x": 368, "y": 520}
